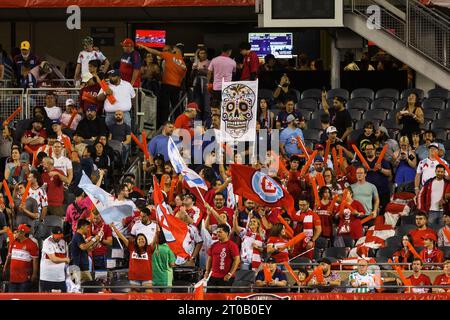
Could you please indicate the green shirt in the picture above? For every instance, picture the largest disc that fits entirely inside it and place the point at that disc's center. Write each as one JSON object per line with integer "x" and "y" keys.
{"x": 161, "y": 260}
{"x": 365, "y": 193}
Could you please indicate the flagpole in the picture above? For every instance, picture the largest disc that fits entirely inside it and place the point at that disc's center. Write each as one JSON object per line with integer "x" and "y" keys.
{"x": 201, "y": 196}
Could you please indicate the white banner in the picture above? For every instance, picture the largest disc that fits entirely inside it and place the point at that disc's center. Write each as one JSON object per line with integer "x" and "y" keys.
{"x": 238, "y": 110}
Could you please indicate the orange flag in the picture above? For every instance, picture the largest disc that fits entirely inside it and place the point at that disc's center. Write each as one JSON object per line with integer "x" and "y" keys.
{"x": 10, "y": 238}
{"x": 302, "y": 146}
{"x": 382, "y": 153}
{"x": 366, "y": 219}
{"x": 291, "y": 272}
{"x": 361, "y": 158}
{"x": 341, "y": 161}
{"x": 27, "y": 191}
{"x": 12, "y": 115}
{"x": 447, "y": 234}
{"x": 320, "y": 179}
{"x": 413, "y": 251}
{"x": 327, "y": 152}
{"x": 8, "y": 193}
{"x": 315, "y": 191}
{"x": 199, "y": 293}
{"x": 318, "y": 272}
{"x": 335, "y": 162}
{"x": 332, "y": 203}
{"x": 72, "y": 117}
{"x": 308, "y": 163}
{"x": 289, "y": 230}
{"x": 406, "y": 282}
{"x": 141, "y": 146}
{"x": 295, "y": 240}
{"x": 267, "y": 273}
{"x": 105, "y": 87}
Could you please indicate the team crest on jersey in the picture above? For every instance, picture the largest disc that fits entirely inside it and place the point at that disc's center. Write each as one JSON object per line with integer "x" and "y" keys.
{"x": 266, "y": 188}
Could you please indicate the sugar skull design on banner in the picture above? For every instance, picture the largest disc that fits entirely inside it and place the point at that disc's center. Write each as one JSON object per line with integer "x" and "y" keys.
{"x": 238, "y": 110}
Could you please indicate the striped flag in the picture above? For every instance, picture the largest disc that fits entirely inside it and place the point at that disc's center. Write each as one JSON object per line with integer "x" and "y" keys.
{"x": 190, "y": 176}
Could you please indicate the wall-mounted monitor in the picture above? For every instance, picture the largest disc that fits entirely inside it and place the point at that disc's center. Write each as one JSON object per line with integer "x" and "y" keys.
{"x": 151, "y": 38}
{"x": 279, "y": 44}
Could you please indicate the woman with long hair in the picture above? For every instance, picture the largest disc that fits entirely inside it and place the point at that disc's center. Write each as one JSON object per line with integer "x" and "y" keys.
{"x": 15, "y": 170}
{"x": 265, "y": 116}
{"x": 140, "y": 267}
{"x": 331, "y": 181}
{"x": 276, "y": 243}
{"x": 252, "y": 238}
{"x": 404, "y": 255}
{"x": 404, "y": 162}
{"x": 411, "y": 116}
{"x": 151, "y": 73}
{"x": 325, "y": 212}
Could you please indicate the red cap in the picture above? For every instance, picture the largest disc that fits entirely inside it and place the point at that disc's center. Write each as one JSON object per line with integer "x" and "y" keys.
{"x": 127, "y": 43}
{"x": 193, "y": 105}
{"x": 318, "y": 146}
{"x": 24, "y": 228}
{"x": 430, "y": 235}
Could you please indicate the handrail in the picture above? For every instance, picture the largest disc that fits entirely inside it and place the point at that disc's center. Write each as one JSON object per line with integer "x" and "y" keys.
{"x": 178, "y": 105}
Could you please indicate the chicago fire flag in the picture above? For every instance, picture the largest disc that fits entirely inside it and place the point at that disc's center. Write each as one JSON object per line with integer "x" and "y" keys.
{"x": 238, "y": 111}
{"x": 260, "y": 188}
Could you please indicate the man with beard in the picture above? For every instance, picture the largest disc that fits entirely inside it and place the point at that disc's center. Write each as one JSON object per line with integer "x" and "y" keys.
{"x": 288, "y": 138}
{"x": 120, "y": 133}
{"x": 418, "y": 278}
{"x": 422, "y": 151}
{"x": 340, "y": 118}
{"x": 36, "y": 136}
{"x": 123, "y": 92}
{"x": 379, "y": 175}
{"x": 219, "y": 207}
{"x": 25, "y": 56}
{"x": 249, "y": 206}
{"x": 90, "y": 127}
{"x": 289, "y": 104}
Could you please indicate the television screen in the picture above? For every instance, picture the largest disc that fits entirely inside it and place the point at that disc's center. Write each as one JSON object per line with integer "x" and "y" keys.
{"x": 278, "y": 44}
{"x": 151, "y": 38}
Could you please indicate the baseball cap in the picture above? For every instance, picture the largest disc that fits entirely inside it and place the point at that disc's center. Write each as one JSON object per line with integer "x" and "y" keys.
{"x": 271, "y": 260}
{"x": 25, "y": 45}
{"x": 193, "y": 105}
{"x": 57, "y": 232}
{"x": 56, "y": 121}
{"x": 127, "y": 43}
{"x": 318, "y": 159}
{"x": 290, "y": 118}
{"x": 433, "y": 144}
{"x": 86, "y": 77}
{"x": 24, "y": 157}
{"x": 331, "y": 129}
{"x": 318, "y": 147}
{"x": 70, "y": 102}
{"x": 429, "y": 235}
{"x": 113, "y": 73}
{"x": 91, "y": 107}
{"x": 24, "y": 228}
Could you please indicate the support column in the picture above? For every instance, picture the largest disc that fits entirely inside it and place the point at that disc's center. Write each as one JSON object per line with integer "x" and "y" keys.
{"x": 335, "y": 65}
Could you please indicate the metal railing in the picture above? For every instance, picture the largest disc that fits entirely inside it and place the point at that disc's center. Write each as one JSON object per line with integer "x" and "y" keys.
{"x": 423, "y": 30}
{"x": 10, "y": 100}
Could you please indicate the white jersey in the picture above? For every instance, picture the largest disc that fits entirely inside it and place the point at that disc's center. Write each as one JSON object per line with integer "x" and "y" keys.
{"x": 85, "y": 56}
{"x": 62, "y": 163}
{"x": 366, "y": 282}
{"x": 54, "y": 113}
{"x": 51, "y": 271}
{"x": 148, "y": 230}
{"x": 427, "y": 168}
{"x": 40, "y": 196}
{"x": 190, "y": 243}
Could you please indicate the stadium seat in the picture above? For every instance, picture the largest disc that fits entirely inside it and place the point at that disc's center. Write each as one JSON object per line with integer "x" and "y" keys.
{"x": 245, "y": 275}
{"x": 447, "y": 106}
{"x": 297, "y": 93}
{"x": 338, "y": 92}
{"x": 447, "y": 144}
{"x": 383, "y": 104}
{"x": 122, "y": 283}
{"x": 405, "y": 93}
{"x": 334, "y": 252}
{"x": 306, "y": 114}
{"x": 439, "y": 93}
{"x": 446, "y": 251}
{"x": 354, "y": 135}
{"x": 443, "y": 114}
{"x": 311, "y": 134}
{"x": 434, "y": 104}
{"x": 387, "y": 93}
{"x": 265, "y": 94}
{"x": 307, "y": 104}
{"x": 375, "y": 114}
{"x": 355, "y": 114}
{"x": 312, "y": 93}
{"x": 386, "y": 252}
{"x": 393, "y": 114}
{"x": 391, "y": 124}
{"x": 394, "y": 242}
{"x": 440, "y": 124}
{"x": 404, "y": 229}
{"x": 401, "y": 104}
{"x": 429, "y": 114}
{"x": 426, "y": 124}
{"x": 317, "y": 114}
{"x": 314, "y": 124}
{"x": 366, "y": 93}
{"x": 359, "y": 125}
{"x": 405, "y": 220}
{"x": 318, "y": 253}
{"x": 300, "y": 260}
{"x": 441, "y": 136}
{"x": 358, "y": 104}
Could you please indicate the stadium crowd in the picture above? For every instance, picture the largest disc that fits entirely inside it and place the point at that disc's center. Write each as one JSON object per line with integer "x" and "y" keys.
{"x": 362, "y": 196}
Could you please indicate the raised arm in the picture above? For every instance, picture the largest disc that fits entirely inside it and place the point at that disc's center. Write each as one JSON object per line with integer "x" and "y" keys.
{"x": 119, "y": 234}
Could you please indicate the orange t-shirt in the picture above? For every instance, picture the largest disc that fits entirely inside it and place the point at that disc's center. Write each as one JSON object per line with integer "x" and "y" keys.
{"x": 184, "y": 122}
{"x": 174, "y": 69}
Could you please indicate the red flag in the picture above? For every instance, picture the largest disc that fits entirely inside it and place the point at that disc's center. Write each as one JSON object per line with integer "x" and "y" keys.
{"x": 260, "y": 188}
{"x": 175, "y": 231}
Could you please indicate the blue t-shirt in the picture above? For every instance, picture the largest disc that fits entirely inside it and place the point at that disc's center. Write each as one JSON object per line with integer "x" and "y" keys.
{"x": 159, "y": 144}
{"x": 288, "y": 138}
{"x": 79, "y": 257}
{"x": 277, "y": 275}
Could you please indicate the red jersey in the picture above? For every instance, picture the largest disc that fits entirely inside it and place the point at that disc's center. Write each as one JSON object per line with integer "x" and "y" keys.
{"x": 349, "y": 224}
{"x": 196, "y": 214}
{"x": 309, "y": 221}
{"x": 432, "y": 256}
{"x": 222, "y": 255}
{"x": 22, "y": 254}
{"x": 418, "y": 234}
{"x": 294, "y": 184}
{"x": 229, "y": 212}
{"x": 100, "y": 249}
{"x": 326, "y": 219}
{"x": 33, "y": 134}
{"x": 277, "y": 242}
{"x": 442, "y": 280}
{"x": 92, "y": 90}
{"x": 184, "y": 122}
{"x": 55, "y": 188}
{"x": 250, "y": 65}
{"x": 140, "y": 267}
{"x": 422, "y": 280}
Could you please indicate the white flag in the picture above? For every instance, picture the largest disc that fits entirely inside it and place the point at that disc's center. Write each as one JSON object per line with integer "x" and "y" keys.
{"x": 239, "y": 110}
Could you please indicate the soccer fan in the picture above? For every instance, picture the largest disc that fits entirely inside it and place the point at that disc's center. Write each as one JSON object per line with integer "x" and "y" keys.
{"x": 288, "y": 138}
{"x": 277, "y": 278}
{"x": 418, "y": 278}
{"x": 361, "y": 280}
{"x": 223, "y": 260}
{"x": 22, "y": 261}
{"x": 61, "y": 162}
{"x": 91, "y": 127}
{"x": 220, "y": 69}
{"x": 130, "y": 64}
{"x": 36, "y": 136}
{"x": 431, "y": 197}
{"x": 120, "y": 132}
{"x": 87, "y": 55}
{"x": 431, "y": 254}
{"x": 25, "y": 56}
{"x": 429, "y": 137}
{"x": 55, "y": 256}
{"x": 54, "y": 179}
{"x": 331, "y": 279}
{"x": 163, "y": 262}
{"x": 340, "y": 117}
{"x": 443, "y": 280}
{"x": 444, "y": 232}
{"x": 185, "y": 121}
{"x": 145, "y": 226}
{"x": 25, "y": 210}
{"x": 289, "y": 105}
{"x": 250, "y": 66}
{"x": 427, "y": 167}
{"x": 421, "y": 230}
{"x": 366, "y": 193}
{"x": 276, "y": 243}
